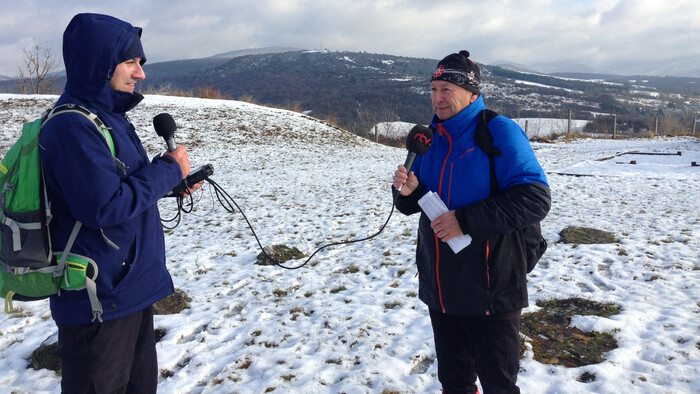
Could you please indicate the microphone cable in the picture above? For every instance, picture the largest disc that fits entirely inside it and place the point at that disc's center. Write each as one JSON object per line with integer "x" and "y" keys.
{"x": 186, "y": 204}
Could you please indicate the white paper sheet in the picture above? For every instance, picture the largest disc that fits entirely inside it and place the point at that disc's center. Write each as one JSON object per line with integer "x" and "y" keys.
{"x": 434, "y": 207}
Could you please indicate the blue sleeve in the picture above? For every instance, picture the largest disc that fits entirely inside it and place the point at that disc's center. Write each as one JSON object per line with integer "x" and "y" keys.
{"x": 76, "y": 159}
{"x": 517, "y": 164}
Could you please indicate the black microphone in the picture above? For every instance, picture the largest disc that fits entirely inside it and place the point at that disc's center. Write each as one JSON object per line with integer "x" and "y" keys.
{"x": 165, "y": 127}
{"x": 418, "y": 142}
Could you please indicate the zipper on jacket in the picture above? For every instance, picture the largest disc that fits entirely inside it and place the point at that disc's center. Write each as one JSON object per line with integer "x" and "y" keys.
{"x": 449, "y": 187}
{"x": 109, "y": 241}
{"x": 442, "y": 131}
{"x": 488, "y": 266}
{"x": 437, "y": 272}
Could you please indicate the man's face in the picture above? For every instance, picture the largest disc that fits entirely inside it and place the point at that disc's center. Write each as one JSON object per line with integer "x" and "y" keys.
{"x": 449, "y": 99}
{"x": 126, "y": 74}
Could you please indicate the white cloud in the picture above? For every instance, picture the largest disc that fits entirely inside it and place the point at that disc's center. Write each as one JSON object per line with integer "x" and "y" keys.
{"x": 599, "y": 33}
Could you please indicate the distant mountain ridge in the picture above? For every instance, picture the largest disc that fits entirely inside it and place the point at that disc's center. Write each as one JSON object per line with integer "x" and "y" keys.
{"x": 683, "y": 67}
{"x": 353, "y": 88}
{"x": 255, "y": 51}
{"x": 174, "y": 68}
{"x": 357, "y": 90}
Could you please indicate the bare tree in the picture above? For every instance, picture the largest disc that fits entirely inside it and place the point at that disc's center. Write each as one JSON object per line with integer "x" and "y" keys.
{"x": 366, "y": 120}
{"x": 34, "y": 76}
{"x": 671, "y": 125}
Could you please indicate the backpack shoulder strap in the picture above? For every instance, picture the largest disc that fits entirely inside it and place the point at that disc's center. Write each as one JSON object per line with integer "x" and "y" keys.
{"x": 483, "y": 136}
{"x": 74, "y": 108}
{"x": 484, "y": 140}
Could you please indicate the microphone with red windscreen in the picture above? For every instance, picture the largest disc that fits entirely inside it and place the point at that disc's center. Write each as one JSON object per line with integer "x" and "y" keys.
{"x": 418, "y": 142}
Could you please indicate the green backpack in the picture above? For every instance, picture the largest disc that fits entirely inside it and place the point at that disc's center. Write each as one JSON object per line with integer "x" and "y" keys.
{"x": 30, "y": 269}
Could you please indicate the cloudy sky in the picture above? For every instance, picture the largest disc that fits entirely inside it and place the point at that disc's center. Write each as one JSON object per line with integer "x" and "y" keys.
{"x": 620, "y": 36}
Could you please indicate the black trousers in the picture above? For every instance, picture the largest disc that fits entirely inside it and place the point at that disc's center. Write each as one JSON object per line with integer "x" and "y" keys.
{"x": 471, "y": 346}
{"x": 117, "y": 356}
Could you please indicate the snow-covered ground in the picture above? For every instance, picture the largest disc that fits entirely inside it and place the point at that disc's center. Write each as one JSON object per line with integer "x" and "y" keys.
{"x": 350, "y": 320}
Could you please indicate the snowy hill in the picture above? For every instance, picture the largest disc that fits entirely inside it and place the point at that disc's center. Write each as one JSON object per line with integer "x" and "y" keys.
{"x": 350, "y": 321}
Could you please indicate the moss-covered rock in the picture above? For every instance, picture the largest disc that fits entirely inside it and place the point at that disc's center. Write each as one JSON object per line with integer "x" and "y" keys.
{"x": 172, "y": 304}
{"x": 279, "y": 253}
{"x": 585, "y": 235}
{"x": 554, "y": 342}
{"x": 46, "y": 357}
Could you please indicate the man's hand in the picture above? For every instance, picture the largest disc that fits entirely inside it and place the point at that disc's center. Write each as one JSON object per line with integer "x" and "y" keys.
{"x": 409, "y": 181}
{"x": 182, "y": 158}
{"x": 446, "y": 226}
{"x": 188, "y": 192}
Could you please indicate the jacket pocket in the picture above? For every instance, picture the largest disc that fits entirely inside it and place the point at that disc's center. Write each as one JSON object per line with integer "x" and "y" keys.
{"x": 78, "y": 269}
{"x": 24, "y": 243}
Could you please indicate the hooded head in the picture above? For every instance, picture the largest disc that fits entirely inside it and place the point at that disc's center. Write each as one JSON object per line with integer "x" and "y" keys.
{"x": 93, "y": 46}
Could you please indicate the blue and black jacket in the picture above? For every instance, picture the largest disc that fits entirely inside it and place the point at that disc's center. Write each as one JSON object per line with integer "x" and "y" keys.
{"x": 489, "y": 276}
{"x": 117, "y": 204}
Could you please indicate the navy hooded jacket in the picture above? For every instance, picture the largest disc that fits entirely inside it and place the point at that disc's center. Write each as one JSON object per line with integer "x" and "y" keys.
{"x": 489, "y": 276}
{"x": 121, "y": 229}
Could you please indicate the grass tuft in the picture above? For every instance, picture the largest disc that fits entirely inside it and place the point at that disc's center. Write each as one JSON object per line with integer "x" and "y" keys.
{"x": 586, "y": 236}
{"x": 554, "y": 342}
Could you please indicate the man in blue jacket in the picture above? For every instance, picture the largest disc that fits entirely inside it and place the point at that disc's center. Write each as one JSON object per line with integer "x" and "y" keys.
{"x": 475, "y": 296}
{"x": 108, "y": 346}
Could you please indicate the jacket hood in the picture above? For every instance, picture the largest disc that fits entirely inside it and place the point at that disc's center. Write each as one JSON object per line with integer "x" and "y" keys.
{"x": 93, "y": 46}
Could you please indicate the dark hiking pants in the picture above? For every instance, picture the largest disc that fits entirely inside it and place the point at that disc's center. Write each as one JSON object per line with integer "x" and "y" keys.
{"x": 471, "y": 346}
{"x": 117, "y": 356}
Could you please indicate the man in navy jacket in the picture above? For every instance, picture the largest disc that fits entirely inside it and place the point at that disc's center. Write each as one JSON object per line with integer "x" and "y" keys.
{"x": 475, "y": 296}
{"x": 111, "y": 349}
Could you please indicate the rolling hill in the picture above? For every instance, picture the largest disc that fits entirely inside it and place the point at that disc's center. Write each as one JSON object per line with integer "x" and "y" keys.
{"x": 357, "y": 90}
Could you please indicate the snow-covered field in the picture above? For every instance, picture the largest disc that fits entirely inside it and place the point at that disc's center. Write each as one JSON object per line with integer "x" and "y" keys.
{"x": 350, "y": 320}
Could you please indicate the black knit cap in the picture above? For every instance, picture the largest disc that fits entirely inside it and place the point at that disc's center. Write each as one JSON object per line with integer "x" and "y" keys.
{"x": 458, "y": 69}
